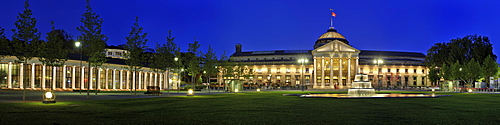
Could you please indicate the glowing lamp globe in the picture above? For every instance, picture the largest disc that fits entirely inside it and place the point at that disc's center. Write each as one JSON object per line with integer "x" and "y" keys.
{"x": 190, "y": 92}
{"x": 49, "y": 97}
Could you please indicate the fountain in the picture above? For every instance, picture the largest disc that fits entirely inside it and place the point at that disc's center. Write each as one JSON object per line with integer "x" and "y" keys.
{"x": 361, "y": 87}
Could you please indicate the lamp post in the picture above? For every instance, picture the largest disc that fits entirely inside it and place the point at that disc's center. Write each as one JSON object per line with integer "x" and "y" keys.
{"x": 302, "y": 61}
{"x": 378, "y": 62}
{"x": 78, "y": 44}
{"x": 178, "y": 75}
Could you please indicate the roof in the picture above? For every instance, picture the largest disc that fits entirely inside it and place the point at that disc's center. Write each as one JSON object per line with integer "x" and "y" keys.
{"x": 390, "y": 53}
{"x": 272, "y": 52}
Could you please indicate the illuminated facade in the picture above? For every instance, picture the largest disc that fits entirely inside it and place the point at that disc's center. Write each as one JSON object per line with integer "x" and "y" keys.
{"x": 113, "y": 75}
{"x": 332, "y": 64}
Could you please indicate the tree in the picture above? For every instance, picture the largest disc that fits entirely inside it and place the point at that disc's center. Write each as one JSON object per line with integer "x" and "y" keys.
{"x": 193, "y": 66}
{"x": 164, "y": 56}
{"x": 489, "y": 68}
{"x": 25, "y": 37}
{"x": 434, "y": 75}
{"x": 4, "y": 44}
{"x": 94, "y": 42}
{"x": 136, "y": 44}
{"x": 55, "y": 39}
{"x": 209, "y": 64}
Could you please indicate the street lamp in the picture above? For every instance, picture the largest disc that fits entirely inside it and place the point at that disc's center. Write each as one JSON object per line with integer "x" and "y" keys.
{"x": 302, "y": 61}
{"x": 178, "y": 75}
{"x": 378, "y": 62}
{"x": 79, "y": 45}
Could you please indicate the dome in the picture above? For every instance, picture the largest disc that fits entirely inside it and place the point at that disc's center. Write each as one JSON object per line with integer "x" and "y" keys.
{"x": 330, "y": 35}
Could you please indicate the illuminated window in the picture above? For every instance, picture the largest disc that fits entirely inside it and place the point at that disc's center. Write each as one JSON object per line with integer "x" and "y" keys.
{"x": 287, "y": 70}
{"x": 278, "y": 70}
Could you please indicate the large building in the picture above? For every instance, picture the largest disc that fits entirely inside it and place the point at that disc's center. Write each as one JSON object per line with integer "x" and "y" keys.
{"x": 332, "y": 64}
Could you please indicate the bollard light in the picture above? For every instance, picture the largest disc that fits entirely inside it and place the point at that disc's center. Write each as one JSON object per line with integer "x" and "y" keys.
{"x": 49, "y": 97}
{"x": 433, "y": 90}
{"x": 470, "y": 90}
{"x": 235, "y": 90}
{"x": 190, "y": 92}
{"x": 258, "y": 89}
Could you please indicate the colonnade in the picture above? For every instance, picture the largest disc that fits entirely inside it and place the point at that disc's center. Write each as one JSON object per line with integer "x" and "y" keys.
{"x": 38, "y": 76}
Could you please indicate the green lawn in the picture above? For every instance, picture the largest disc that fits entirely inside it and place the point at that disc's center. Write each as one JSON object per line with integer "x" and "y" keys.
{"x": 261, "y": 108}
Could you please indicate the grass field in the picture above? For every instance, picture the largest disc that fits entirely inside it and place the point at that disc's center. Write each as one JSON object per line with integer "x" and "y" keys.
{"x": 261, "y": 108}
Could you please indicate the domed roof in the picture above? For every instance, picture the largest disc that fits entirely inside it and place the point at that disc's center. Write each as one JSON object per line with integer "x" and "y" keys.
{"x": 329, "y": 36}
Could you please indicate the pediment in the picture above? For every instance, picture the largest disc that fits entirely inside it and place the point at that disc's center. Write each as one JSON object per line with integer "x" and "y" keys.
{"x": 336, "y": 46}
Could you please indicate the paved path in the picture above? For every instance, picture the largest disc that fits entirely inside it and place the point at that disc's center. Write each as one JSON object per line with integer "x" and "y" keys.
{"x": 16, "y": 96}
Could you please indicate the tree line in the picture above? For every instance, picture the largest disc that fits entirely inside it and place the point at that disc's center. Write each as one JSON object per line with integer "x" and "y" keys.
{"x": 468, "y": 59}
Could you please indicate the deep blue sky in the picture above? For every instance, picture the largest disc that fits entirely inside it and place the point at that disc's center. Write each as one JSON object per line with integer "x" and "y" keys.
{"x": 393, "y": 25}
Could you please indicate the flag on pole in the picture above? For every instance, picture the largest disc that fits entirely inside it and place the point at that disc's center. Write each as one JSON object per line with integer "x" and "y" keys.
{"x": 333, "y": 13}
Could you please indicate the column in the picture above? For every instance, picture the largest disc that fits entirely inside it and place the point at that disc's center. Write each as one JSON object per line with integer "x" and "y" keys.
{"x": 9, "y": 75}
{"x": 145, "y": 82}
{"x": 139, "y": 82}
{"x": 113, "y": 79}
{"x": 127, "y": 83}
{"x": 155, "y": 79}
{"x": 340, "y": 71}
{"x": 32, "y": 79}
{"x": 82, "y": 78}
{"x": 90, "y": 78}
{"x": 106, "y": 78}
{"x": 357, "y": 64}
{"x": 314, "y": 73}
{"x": 64, "y": 77}
{"x": 331, "y": 72}
{"x": 160, "y": 82}
{"x": 43, "y": 76}
{"x": 349, "y": 71}
{"x": 21, "y": 76}
{"x": 133, "y": 79}
{"x": 150, "y": 79}
{"x": 121, "y": 80}
{"x": 54, "y": 77}
{"x": 322, "y": 71}
{"x": 73, "y": 75}
{"x": 98, "y": 78}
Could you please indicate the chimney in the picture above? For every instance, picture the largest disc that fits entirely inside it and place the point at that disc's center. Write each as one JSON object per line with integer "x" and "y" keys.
{"x": 238, "y": 48}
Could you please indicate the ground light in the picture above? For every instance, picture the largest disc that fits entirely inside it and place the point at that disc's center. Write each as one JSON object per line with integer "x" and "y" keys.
{"x": 49, "y": 97}
{"x": 470, "y": 90}
{"x": 190, "y": 92}
{"x": 258, "y": 89}
{"x": 236, "y": 90}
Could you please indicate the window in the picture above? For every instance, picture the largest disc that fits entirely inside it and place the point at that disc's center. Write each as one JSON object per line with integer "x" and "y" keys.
{"x": 406, "y": 70}
{"x": 118, "y": 53}
{"x": 259, "y": 70}
{"x": 361, "y": 70}
{"x": 379, "y": 70}
{"x": 397, "y": 70}
{"x": 287, "y": 70}
{"x": 415, "y": 80}
{"x": 307, "y": 70}
{"x": 414, "y": 70}
{"x": 256, "y": 58}
{"x": 423, "y": 71}
{"x": 264, "y": 58}
{"x": 269, "y": 70}
{"x": 278, "y": 70}
{"x": 297, "y": 70}
{"x": 388, "y": 70}
{"x": 110, "y": 53}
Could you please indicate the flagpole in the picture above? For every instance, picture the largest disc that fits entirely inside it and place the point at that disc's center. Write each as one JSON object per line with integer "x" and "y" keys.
{"x": 331, "y": 19}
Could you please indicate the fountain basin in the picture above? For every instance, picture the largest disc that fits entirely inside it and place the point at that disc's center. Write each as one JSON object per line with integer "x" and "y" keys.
{"x": 384, "y": 95}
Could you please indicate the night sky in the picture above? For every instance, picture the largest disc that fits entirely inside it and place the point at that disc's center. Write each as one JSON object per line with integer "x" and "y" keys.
{"x": 391, "y": 25}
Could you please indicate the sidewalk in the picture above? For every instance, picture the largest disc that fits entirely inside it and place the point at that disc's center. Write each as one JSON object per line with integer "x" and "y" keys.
{"x": 16, "y": 96}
